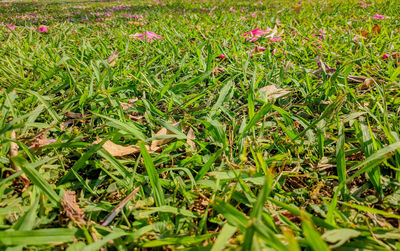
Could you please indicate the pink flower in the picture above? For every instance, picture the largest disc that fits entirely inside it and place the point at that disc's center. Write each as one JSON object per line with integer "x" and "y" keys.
{"x": 43, "y": 29}
{"x": 221, "y": 56}
{"x": 232, "y": 9}
{"x": 377, "y": 17}
{"x": 363, "y": 4}
{"x": 254, "y": 35}
{"x": 11, "y": 26}
{"x": 274, "y": 52}
{"x": 275, "y": 39}
{"x": 385, "y": 56}
{"x": 147, "y": 35}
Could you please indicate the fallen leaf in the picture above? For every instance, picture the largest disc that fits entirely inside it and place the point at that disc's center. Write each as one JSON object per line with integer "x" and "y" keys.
{"x": 190, "y": 138}
{"x": 135, "y": 116}
{"x": 41, "y": 141}
{"x": 126, "y": 106}
{"x": 14, "y": 152}
{"x": 355, "y": 79}
{"x": 73, "y": 115}
{"x": 272, "y": 92}
{"x": 217, "y": 70}
{"x": 368, "y": 83}
{"x": 112, "y": 59}
{"x": 376, "y": 29}
{"x": 72, "y": 209}
{"x": 118, "y": 150}
{"x": 339, "y": 236}
{"x": 155, "y": 144}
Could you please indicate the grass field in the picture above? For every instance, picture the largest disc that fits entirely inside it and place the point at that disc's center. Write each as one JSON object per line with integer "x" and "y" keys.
{"x": 200, "y": 125}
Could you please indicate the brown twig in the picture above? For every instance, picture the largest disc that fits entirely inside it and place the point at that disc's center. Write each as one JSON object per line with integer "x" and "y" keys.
{"x": 118, "y": 208}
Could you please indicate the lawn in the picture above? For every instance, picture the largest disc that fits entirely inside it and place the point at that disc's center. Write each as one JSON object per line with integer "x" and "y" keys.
{"x": 199, "y": 125}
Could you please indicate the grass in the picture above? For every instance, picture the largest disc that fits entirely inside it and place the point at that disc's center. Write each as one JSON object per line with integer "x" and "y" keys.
{"x": 169, "y": 145}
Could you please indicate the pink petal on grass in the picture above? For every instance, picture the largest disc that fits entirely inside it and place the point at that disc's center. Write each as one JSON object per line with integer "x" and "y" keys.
{"x": 363, "y": 4}
{"x": 275, "y": 39}
{"x": 147, "y": 35}
{"x": 254, "y": 35}
{"x": 11, "y": 26}
{"x": 221, "y": 56}
{"x": 378, "y": 17}
{"x": 385, "y": 56}
{"x": 43, "y": 29}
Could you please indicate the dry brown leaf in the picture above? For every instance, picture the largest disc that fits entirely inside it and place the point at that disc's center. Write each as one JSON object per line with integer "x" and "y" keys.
{"x": 118, "y": 150}
{"x": 135, "y": 116}
{"x": 356, "y": 79}
{"x": 73, "y": 115}
{"x": 190, "y": 138}
{"x": 376, "y": 29}
{"x": 41, "y": 141}
{"x": 155, "y": 144}
{"x": 72, "y": 209}
{"x": 218, "y": 70}
{"x": 126, "y": 106}
{"x": 14, "y": 152}
{"x": 368, "y": 83}
{"x": 272, "y": 92}
{"x": 112, "y": 59}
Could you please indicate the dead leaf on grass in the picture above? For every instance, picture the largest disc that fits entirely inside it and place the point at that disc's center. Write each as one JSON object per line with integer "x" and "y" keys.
{"x": 272, "y": 92}
{"x": 41, "y": 141}
{"x": 14, "y": 152}
{"x": 72, "y": 209}
{"x": 368, "y": 83}
{"x": 126, "y": 106}
{"x": 118, "y": 150}
{"x": 190, "y": 138}
{"x": 376, "y": 29}
{"x": 155, "y": 144}
{"x": 112, "y": 59}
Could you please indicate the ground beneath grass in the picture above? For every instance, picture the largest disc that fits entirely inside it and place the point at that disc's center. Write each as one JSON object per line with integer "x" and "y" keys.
{"x": 199, "y": 125}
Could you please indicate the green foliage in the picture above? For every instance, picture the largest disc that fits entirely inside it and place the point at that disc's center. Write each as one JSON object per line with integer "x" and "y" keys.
{"x": 290, "y": 142}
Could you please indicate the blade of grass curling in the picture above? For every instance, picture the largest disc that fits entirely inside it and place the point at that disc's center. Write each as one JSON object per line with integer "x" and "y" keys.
{"x": 341, "y": 161}
{"x": 317, "y": 221}
{"x": 178, "y": 240}
{"x": 128, "y": 127}
{"x": 154, "y": 179}
{"x": 259, "y": 115}
{"x": 370, "y": 210}
{"x": 327, "y": 112}
{"x": 208, "y": 164}
{"x": 37, "y": 237}
{"x": 313, "y": 238}
{"x": 221, "y": 98}
{"x": 45, "y": 103}
{"x": 231, "y": 214}
{"x": 256, "y": 212}
{"x": 226, "y": 233}
{"x": 35, "y": 177}
{"x": 373, "y": 160}
{"x": 369, "y": 147}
